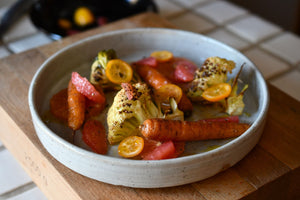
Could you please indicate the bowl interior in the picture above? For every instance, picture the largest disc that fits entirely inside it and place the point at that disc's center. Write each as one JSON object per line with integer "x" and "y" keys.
{"x": 132, "y": 45}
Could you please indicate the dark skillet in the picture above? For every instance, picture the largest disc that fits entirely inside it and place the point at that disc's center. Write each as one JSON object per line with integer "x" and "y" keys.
{"x": 46, "y": 13}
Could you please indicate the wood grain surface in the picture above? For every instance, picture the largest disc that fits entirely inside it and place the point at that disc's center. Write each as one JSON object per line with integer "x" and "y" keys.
{"x": 270, "y": 171}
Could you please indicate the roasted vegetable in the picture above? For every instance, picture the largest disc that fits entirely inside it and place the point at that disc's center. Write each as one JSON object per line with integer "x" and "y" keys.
{"x": 175, "y": 130}
{"x": 125, "y": 115}
{"x": 98, "y": 75}
{"x": 155, "y": 79}
{"x": 234, "y": 104}
{"x": 212, "y": 72}
{"x": 76, "y": 107}
{"x": 173, "y": 113}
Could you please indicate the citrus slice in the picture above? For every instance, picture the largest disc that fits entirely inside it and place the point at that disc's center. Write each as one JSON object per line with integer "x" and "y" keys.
{"x": 217, "y": 92}
{"x": 131, "y": 146}
{"x": 83, "y": 16}
{"x": 167, "y": 91}
{"x": 93, "y": 134}
{"x": 59, "y": 105}
{"x": 162, "y": 56}
{"x": 118, "y": 71}
{"x": 87, "y": 89}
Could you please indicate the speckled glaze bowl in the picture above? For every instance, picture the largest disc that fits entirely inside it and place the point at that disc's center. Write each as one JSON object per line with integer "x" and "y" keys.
{"x": 200, "y": 161}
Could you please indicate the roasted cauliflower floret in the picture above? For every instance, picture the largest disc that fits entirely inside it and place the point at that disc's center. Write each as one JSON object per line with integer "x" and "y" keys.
{"x": 98, "y": 75}
{"x": 213, "y": 71}
{"x": 129, "y": 111}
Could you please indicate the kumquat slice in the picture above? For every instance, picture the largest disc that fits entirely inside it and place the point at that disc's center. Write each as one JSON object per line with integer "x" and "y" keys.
{"x": 167, "y": 91}
{"x": 162, "y": 56}
{"x": 131, "y": 146}
{"x": 118, "y": 71}
{"x": 217, "y": 92}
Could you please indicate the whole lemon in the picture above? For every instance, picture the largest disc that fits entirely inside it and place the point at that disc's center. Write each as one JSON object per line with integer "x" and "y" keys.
{"x": 83, "y": 16}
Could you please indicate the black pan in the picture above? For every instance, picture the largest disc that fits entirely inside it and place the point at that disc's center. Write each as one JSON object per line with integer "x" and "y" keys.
{"x": 46, "y": 13}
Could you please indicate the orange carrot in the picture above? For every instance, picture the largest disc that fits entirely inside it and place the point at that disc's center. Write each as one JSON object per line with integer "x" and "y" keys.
{"x": 151, "y": 76}
{"x": 175, "y": 130}
{"x": 155, "y": 79}
{"x": 76, "y": 107}
{"x": 59, "y": 105}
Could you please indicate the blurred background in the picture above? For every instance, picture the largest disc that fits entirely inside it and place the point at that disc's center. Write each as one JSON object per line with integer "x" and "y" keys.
{"x": 62, "y": 18}
{"x": 283, "y": 13}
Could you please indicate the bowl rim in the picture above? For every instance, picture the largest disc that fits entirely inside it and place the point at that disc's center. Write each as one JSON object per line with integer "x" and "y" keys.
{"x": 128, "y": 162}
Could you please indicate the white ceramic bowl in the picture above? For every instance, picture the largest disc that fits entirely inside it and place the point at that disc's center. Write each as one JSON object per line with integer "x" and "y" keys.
{"x": 131, "y": 45}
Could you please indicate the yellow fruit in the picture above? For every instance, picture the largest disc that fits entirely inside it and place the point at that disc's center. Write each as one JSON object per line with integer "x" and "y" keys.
{"x": 118, "y": 71}
{"x": 83, "y": 16}
{"x": 162, "y": 56}
{"x": 167, "y": 91}
{"x": 131, "y": 146}
{"x": 217, "y": 92}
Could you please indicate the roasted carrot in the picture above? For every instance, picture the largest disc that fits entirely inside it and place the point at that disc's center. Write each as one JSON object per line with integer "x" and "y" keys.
{"x": 151, "y": 76}
{"x": 175, "y": 130}
{"x": 59, "y": 105}
{"x": 76, "y": 107}
{"x": 155, "y": 79}
{"x": 228, "y": 119}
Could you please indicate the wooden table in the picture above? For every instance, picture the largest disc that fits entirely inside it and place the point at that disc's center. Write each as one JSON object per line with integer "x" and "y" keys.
{"x": 270, "y": 171}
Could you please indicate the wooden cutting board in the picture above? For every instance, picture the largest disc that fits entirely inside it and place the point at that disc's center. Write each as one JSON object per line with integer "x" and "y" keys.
{"x": 270, "y": 171}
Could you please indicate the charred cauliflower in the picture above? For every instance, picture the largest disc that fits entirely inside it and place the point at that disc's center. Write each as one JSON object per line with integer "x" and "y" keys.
{"x": 98, "y": 75}
{"x": 213, "y": 71}
{"x": 129, "y": 111}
